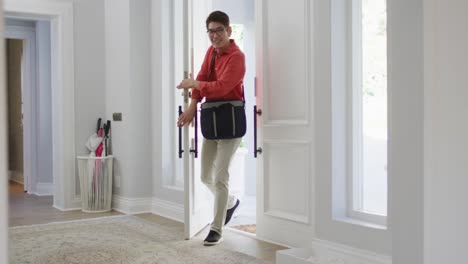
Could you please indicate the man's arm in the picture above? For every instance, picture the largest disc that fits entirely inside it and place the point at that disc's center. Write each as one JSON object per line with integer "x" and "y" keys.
{"x": 232, "y": 76}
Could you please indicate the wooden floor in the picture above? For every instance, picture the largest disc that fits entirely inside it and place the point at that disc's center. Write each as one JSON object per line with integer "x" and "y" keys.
{"x": 14, "y": 187}
{"x": 26, "y": 209}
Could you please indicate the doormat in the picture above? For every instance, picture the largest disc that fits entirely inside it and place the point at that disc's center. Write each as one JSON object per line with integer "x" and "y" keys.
{"x": 118, "y": 239}
{"x": 246, "y": 228}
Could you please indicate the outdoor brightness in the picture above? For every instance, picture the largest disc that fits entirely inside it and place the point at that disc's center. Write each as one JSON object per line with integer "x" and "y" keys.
{"x": 374, "y": 108}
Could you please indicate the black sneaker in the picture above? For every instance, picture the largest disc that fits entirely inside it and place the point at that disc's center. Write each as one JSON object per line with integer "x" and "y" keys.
{"x": 230, "y": 212}
{"x": 212, "y": 239}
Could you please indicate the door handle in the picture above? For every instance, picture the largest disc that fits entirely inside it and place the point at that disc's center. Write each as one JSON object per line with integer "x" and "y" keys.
{"x": 180, "y": 135}
{"x": 195, "y": 150}
{"x": 257, "y": 150}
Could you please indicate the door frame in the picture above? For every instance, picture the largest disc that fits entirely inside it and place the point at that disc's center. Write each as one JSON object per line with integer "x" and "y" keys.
{"x": 3, "y": 153}
{"x": 60, "y": 15}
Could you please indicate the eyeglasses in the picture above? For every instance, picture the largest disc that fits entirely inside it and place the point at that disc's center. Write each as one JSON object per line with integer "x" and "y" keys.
{"x": 216, "y": 31}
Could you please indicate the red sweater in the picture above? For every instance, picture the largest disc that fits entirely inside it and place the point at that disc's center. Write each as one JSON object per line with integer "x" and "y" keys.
{"x": 227, "y": 79}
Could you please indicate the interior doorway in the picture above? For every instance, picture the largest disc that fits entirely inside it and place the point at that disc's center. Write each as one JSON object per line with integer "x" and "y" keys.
{"x": 28, "y": 67}
{"x": 59, "y": 15}
{"x": 14, "y": 83}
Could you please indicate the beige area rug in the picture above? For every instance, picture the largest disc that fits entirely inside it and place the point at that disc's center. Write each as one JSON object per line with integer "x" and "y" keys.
{"x": 246, "y": 228}
{"x": 109, "y": 240}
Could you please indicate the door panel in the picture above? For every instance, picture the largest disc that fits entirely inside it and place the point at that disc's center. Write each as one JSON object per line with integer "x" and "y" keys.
{"x": 286, "y": 48}
{"x": 285, "y": 169}
{"x": 281, "y": 158}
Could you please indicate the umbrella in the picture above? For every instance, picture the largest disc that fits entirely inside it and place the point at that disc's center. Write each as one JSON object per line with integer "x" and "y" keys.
{"x": 92, "y": 144}
{"x": 97, "y": 144}
{"x": 106, "y": 136}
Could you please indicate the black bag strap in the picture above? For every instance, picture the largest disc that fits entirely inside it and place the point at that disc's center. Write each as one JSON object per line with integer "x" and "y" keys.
{"x": 212, "y": 67}
{"x": 243, "y": 96}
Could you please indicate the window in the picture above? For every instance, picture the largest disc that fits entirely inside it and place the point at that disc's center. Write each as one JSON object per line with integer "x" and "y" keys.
{"x": 368, "y": 115}
{"x": 238, "y": 32}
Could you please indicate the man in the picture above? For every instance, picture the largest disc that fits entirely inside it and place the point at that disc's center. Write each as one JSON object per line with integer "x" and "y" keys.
{"x": 220, "y": 78}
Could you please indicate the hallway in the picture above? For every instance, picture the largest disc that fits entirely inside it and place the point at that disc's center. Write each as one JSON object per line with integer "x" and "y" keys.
{"x": 27, "y": 209}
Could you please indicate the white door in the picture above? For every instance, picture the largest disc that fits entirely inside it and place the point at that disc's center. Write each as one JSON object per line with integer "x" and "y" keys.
{"x": 198, "y": 202}
{"x": 285, "y": 167}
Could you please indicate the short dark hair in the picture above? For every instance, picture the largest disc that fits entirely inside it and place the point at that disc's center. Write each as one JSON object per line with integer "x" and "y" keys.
{"x": 218, "y": 16}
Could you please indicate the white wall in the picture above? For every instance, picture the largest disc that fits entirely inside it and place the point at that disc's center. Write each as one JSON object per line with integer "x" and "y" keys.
{"x": 127, "y": 56}
{"x": 89, "y": 72}
{"x": 90, "y": 45}
{"x": 446, "y": 130}
{"x": 117, "y": 35}
{"x": 140, "y": 56}
{"x": 406, "y": 150}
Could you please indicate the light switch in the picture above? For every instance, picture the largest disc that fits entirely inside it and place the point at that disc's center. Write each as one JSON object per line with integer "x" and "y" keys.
{"x": 117, "y": 116}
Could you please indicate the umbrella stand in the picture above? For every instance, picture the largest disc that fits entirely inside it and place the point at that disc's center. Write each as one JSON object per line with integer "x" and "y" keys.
{"x": 95, "y": 171}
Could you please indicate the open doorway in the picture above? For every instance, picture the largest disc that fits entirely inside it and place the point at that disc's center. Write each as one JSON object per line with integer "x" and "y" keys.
{"x": 13, "y": 63}
{"x": 59, "y": 17}
{"x": 243, "y": 166}
{"x": 188, "y": 43}
{"x": 28, "y": 67}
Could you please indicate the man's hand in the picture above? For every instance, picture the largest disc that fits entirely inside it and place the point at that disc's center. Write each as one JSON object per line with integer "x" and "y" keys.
{"x": 186, "y": 118}
{"x": 188, "y": 83}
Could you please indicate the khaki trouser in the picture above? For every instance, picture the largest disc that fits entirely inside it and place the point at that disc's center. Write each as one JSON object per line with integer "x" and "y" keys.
{"x": 215, "y": 159}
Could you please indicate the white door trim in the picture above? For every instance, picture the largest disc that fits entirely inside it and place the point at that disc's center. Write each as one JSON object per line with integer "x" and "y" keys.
{"x": 3, "y": 153}
{"x": 60, "y": 15}
{"x": 29, "y": 94}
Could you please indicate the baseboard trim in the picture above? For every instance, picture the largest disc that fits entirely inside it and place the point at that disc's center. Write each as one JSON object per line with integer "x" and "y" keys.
{"x": 349, "y": 254}
{"x": 67, "y": 209}
{"x": 168, "y": 209}
{"x": 173, "y": 211}
{"x": 330, "y": 252}
{"x": 131, "y": 205}
{"x": 44, "y": 189}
